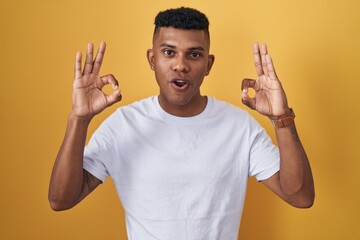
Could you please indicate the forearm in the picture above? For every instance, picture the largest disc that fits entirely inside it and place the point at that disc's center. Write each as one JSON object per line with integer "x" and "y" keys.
{"x": 295, "y": 175}
{"x": 67, "y": 176}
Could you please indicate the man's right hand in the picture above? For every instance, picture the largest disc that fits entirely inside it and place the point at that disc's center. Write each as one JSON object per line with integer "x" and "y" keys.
{"x": 88, "y": 99}
{"x": 69, "y": 182}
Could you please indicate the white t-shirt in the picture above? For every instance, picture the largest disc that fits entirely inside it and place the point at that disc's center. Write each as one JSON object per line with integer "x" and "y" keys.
{"x": 181, "y": 178}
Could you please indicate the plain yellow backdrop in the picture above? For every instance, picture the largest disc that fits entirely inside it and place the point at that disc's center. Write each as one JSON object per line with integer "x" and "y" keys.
{"x": 315, "y": 45}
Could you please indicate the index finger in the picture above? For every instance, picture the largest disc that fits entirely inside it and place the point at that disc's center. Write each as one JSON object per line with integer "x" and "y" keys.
{"x": 99, "y": 58}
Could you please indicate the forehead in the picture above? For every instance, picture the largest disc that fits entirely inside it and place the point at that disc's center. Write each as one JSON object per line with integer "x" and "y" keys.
{"x": 183, "y": 38}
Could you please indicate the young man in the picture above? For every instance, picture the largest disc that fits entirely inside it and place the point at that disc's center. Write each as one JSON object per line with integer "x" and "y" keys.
{"x": 180, "y": 160}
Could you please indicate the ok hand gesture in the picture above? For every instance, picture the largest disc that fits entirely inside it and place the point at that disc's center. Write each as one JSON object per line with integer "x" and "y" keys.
{"x": 88, "y": 98}
{"x": 270, "y": 99}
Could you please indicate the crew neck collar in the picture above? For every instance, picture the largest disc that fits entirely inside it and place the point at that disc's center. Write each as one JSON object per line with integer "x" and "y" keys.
{"x": 171, "y": 117}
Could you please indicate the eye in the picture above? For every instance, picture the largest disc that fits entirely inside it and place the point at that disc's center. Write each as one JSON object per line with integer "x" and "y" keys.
{"x": 168, "y": 52}
{"x": 195, "y": 54}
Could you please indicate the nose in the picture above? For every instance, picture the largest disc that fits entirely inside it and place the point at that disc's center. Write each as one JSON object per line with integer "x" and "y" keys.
{"x": 181, "y": 64}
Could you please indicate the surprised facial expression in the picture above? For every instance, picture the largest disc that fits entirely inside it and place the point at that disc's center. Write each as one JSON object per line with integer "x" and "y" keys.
{"x": 181, "y": 60}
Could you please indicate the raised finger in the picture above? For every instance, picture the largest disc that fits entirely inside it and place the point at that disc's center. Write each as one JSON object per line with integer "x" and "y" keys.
{"x": 257, "y": 60}
{"x": 77, "y": 68}
{"x": 99, "y": 58}
{"x": 89, "y": 59}
{"x": 263, "y": 59}
{"x": 270, "y": 67}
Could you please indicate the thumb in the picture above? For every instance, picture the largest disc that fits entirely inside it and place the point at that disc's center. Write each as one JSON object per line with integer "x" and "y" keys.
{"x": 245, "y": 98}
{"x": 114, "y": 97}
{"x": 248, "y": 101}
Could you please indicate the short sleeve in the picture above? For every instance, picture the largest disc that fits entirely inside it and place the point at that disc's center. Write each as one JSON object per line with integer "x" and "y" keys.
{"x": 99, "y": 152}
{"x": 264, "y": 156}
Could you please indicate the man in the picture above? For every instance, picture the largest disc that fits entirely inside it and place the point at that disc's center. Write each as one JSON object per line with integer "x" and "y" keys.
{"x": 180, "y": 160}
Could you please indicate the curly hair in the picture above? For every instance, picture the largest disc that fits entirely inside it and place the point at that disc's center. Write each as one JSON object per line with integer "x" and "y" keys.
{"x": 182, "y": 18}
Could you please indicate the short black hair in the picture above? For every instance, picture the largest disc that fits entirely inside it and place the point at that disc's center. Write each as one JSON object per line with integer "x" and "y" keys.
{"x": 182, "y": 18}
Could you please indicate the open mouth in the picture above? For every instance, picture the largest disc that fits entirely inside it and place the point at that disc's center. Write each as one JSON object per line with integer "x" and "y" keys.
{"x": 180, "y": 83}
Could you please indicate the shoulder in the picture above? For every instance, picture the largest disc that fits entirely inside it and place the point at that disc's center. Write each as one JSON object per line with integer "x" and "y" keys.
{"x": 125, "y": 115}
{"x": 222, "y": 107}
{"x": 229, "y": 113}
{"x": 141, "y": 107}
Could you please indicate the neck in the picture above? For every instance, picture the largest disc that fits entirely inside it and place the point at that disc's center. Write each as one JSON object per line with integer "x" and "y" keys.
{"x": 187, "y": 110}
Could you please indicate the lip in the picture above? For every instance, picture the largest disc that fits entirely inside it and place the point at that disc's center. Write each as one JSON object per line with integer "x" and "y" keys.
{"x": 182, "y": 79}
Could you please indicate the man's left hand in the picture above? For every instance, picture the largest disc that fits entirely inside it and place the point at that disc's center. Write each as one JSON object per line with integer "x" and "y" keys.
{"x": 270, "y": 98}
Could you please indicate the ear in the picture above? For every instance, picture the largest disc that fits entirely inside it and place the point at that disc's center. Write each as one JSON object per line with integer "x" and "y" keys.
{"x": 150, "y": 58}
{"x": 211, "y": 60}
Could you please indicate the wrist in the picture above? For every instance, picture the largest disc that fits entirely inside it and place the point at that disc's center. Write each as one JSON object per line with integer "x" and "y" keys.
{"x": 288, "y": 119}
{"x": 79, "y": 119}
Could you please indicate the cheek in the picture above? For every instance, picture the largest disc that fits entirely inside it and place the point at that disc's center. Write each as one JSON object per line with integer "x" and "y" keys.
{"x": 161, "y": 66}
{"x": 160, "y": 74}
{"x": 201, "y": 70}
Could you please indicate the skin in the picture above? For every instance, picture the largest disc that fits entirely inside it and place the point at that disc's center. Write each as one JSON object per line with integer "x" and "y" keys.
{"x": 176, "y": 55}
{"x": 69, "y": 182}
{"x": 294, "y": 182}
{"x": 184, "y": 55}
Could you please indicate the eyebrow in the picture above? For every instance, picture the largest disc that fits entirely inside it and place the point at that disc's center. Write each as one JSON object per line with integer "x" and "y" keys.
{"x": 197, "y": 48}
{"x": 191, "y": 49}
{"x": 167, "y": 45}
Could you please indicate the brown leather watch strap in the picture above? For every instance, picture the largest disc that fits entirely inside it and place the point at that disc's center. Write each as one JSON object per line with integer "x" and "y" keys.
{"x": 284, "y": 120}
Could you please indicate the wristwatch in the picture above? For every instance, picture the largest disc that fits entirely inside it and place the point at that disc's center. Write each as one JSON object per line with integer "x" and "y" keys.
{"x": 284, "y": 120}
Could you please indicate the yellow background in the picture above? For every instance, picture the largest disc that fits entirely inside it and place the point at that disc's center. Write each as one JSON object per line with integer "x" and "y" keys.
{"x": 315, "y": 45}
